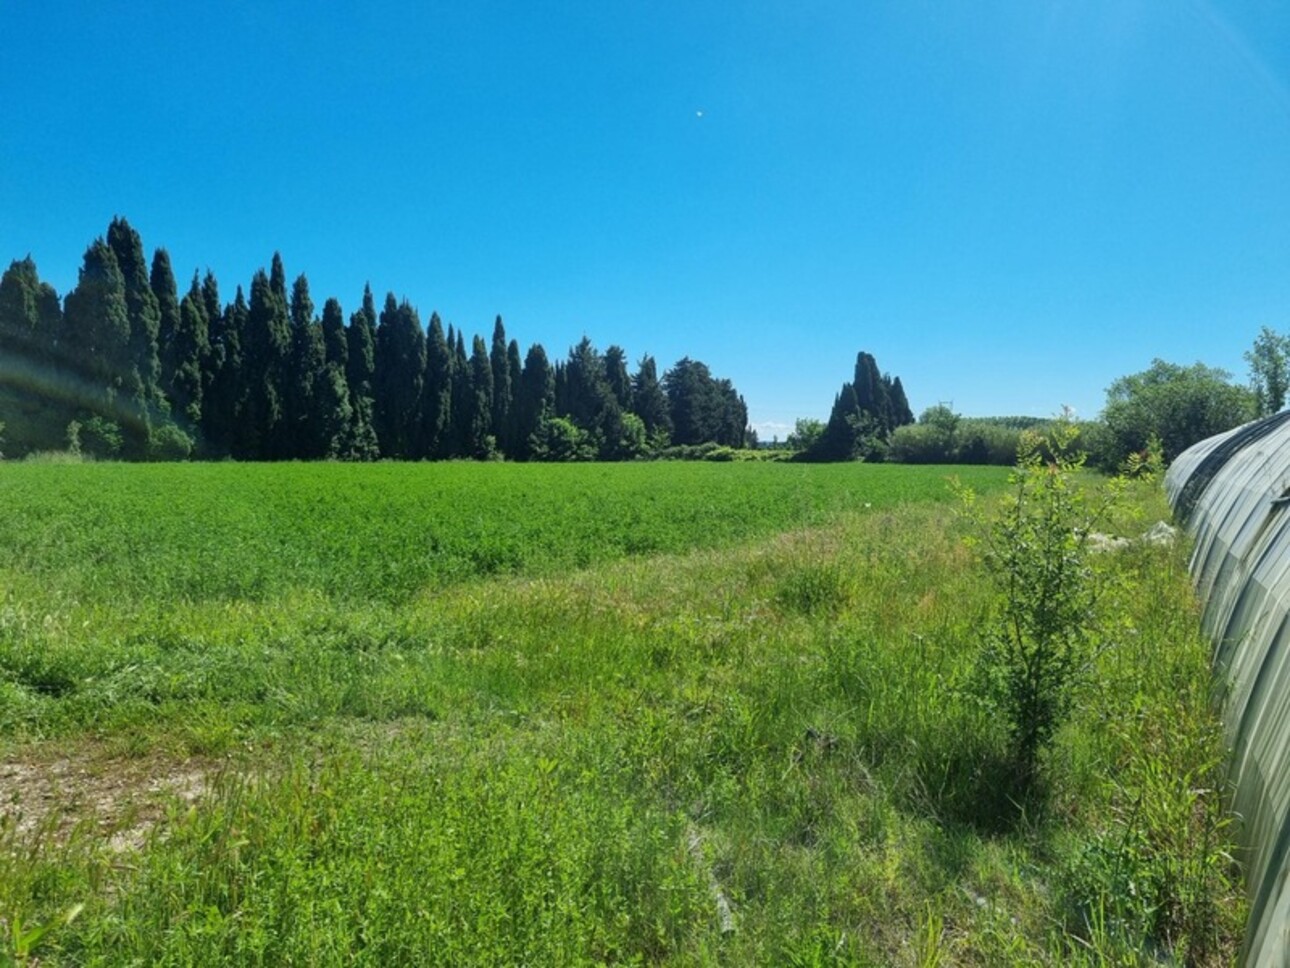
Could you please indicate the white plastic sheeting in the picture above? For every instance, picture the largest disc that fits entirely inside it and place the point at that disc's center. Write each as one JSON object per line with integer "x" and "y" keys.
{"x": 1232, "y": 492}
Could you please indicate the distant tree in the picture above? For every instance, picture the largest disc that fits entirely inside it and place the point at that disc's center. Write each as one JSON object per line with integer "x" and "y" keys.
{"x": 806, "y": 432}
{"x": 864, "y": 413}
{"x": 360, "y": 376}
{"x": 871, "y": 393}
{"x": 847, "y": 427}
{"x": 512, "y": 443}
{"x": 306, "y": 437}
{"x": 335, "y": 344}
{"x": 1180, "y": 405}
{"x": 702, "y": 409}
{"x": 649, "y": 402}
{"x": 332, "y": 417}
{"x": 262, "y": 432}
{"x": 33, "y": 382}
{"x": 502, "y": 391}
{"x": 480, "y": 442}
{"x": 462, "y": 397}
{"x": 536, "y": 400}
{"x": 1269, "y": 360}
{"x": 400, "y": 376}
{"x": 140, "y": 379}
{"x": 436, "y": 394}
{"x": 161, "y": 280}
{"x": 187, "y": 350}
{"x": 224, "y": 413}
{"x": 97, "y": 325}
{"x": 902, "y": 415}
{"x": 620, "y": 383}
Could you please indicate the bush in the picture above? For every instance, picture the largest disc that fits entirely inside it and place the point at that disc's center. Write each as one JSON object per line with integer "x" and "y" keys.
{"x": 1040, "y": 640}
{"x": 168, "y": 442}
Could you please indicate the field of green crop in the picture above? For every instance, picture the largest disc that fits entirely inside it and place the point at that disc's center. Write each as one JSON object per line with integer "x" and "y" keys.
{"x": 502, "y": 714}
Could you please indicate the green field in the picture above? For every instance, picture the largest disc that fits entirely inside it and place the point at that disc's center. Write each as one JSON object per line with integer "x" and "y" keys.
{"x": 505, "y": 714}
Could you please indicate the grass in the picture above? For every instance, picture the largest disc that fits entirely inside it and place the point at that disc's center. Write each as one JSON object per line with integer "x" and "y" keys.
{"x": 750, "y": 739}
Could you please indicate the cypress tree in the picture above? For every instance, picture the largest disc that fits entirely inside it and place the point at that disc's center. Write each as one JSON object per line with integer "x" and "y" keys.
{"x": 462, "y": 395}
{"x": 536, "y": 400}
{"x": 871, "y": 394}
{"x": 480, "y": 443}
{"x": 304, "y": 433}
{"x": 214, "y": 332}
{"x": 501, "y": 390}
{"x": 264, "y": 433}
{"x": 514, "y": 371}
{"x": 210, "y": 296}
{"x": 224, "y": 409}
{"x": 616, "y": 376}
{"x": 400, "y": 375}
{"x": 332, "y": 414}
{"x": 30, "y": 317}
{"x": 841, "y": 437}
{"x": 650, "y": 403}
{"x": 901, "y": 413}
{"x": 278, "y": 278}
{"x": 140, "y": 381}
{"x": 189, "y": 347}
{"x": 335, "y": 345}
{"x": 436, "y": 394}
{"x": 161, "y": 281}
{"x": 32, "y": 389}
{"x": 97, "y": 326}
{"x": 360, "y": 374}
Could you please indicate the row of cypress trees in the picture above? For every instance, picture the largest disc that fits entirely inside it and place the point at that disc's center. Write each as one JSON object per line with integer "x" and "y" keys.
{"x": 125, "y": 367}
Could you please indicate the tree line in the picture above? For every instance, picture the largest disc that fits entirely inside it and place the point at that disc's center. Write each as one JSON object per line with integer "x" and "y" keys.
{"x": 124, "y": 367}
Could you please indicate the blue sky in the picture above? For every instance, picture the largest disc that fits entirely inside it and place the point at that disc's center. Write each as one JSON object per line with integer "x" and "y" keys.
{"x": 1008, "y": 204}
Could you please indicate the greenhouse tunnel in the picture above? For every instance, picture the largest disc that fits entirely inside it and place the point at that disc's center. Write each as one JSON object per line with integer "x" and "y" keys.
{"x": 1232, "y": 492}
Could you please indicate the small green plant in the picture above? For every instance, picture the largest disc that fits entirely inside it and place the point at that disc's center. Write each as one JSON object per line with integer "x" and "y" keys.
{"x": 1147, "y": 464}
{"x": 21, "y": 941}
{"x": 1040, "y": 641}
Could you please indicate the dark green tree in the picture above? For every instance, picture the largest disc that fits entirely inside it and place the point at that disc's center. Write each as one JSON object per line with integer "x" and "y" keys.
{"x": 33, "y": 384}
{"x": 161, "y": 280}
{"x": 360, "y": 375}
{"x": 649, "y": 402}
{"x": 400, "y": 375}
{"x": 871, "y": 393}
{"x": 263, "y": 432}
{"x": 306, "y": 437}
{"x": 140, "y": 381}
{"x": 97, "y": 326}
{"x": 332, "y": 416}
{"x": 1179, "y": 405}
{"x": 589, "y": 401}
{"x": 188, "y": 349}
{"x": 902, "y": 415}
{"x": 514, "y": 371}
{"x": 620, "y": 385}
{"x": 480, "y": 443}
{"x": 703, "y": 409}
{"x": 535, "y": 402}
{"x": 436, "y": 394}
{"x": 224, "y": 410}
{"x": 502, "y": 391}
{"x": 462, "y": 402}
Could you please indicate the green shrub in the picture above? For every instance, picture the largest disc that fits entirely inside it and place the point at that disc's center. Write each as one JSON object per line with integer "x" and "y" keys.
{"x": 1041, "y": 639}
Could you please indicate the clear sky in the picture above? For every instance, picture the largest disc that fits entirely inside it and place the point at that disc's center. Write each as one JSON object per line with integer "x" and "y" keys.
{"x": 1008, "y": 204}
